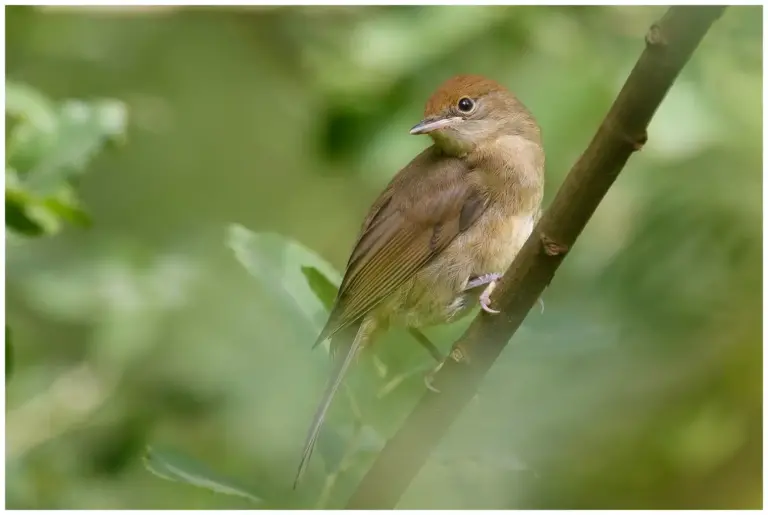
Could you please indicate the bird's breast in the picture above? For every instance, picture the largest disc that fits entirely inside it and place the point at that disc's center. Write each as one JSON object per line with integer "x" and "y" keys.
{"x": 497, "y": 240}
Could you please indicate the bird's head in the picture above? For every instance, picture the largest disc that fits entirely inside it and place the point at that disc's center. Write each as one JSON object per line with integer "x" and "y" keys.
{"x": 467, "y": 111}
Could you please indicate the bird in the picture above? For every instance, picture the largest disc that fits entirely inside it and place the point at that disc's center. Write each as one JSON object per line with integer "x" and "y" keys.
{"x": 448, "y": 224}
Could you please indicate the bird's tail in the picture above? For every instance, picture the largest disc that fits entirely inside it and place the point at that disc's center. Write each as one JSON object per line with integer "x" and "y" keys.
{"x": 340, "y": 369}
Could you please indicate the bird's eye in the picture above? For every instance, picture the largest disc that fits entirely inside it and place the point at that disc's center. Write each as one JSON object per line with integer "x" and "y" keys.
{"x": 466, "y": 105}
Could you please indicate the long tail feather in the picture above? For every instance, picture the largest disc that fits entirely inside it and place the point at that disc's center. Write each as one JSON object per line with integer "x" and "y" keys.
{"x": 363, "y": 333}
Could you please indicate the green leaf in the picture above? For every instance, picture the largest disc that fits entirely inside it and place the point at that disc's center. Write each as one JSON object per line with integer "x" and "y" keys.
{"x": 46, "y": 147}
{"x": 82, "y": 129}
{"x": 51, "y": 142}
{"x": 29, "y": 105}
{"x": 17, "y": 218}
{"x": 32, "y": 131}
{"x": 321, "y": 286}
{"x": 66, "y": 207}
{"x": 277, "y": 263}
{"x": 31, "y": 215}
{"x": 174, "y": 466}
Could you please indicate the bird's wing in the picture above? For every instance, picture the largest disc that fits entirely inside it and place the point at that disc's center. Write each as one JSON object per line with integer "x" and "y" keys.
{"x": 424, "y": 208}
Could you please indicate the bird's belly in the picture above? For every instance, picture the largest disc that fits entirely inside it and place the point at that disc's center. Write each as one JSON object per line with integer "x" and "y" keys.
{"x": 436, "y": 294}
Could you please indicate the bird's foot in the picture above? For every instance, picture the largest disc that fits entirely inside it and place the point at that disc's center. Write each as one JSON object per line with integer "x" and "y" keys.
{"x": 485, "y": 298}
{"x": 482, "y": 280}
{"x": 457, "y": 354}
{"x": 429, "y": 377}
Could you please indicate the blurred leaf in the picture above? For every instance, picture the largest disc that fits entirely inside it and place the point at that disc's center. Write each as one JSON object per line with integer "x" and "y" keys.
{"x": 66, "y": 206}
{"x": 278, "y": 263}
{"x": 82, "y": 129}
{"x": 391, "y": 45}
{"x": 46, "y": 146}
{"x": 27, "y": 104}
{"x": 54, "y": 141}
{"x": 33, "y": 215}
{"x": 174, "y": 466}
{"x": 275, "y": 261}
{"x": 322, "y": 287}
{"x": 16, "y": 217}
{"x": 32, "y": 128}
{"x": 8, "y": 354}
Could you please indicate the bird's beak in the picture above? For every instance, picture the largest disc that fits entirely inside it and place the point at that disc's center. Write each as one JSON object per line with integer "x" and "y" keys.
{"x": 433, "y": 124}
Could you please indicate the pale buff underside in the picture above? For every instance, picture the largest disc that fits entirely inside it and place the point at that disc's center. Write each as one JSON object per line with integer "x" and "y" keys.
{"x": 437, "y": 294}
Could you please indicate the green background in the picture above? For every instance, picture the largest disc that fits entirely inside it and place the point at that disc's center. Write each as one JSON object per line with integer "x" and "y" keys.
{"x": 639, "y": 386}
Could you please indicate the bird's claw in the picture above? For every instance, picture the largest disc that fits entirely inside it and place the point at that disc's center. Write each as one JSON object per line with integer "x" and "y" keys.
{"x": 487, "y": 308}
{"x": 457, "y": 354}
{"x": 430, "y": 376}
{"x": 485, "y": 299}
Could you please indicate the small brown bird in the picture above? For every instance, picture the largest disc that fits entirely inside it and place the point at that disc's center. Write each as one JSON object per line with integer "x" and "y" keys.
{"x": 450, "y": 222}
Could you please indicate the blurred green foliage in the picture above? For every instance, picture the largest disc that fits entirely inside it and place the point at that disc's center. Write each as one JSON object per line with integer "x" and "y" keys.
{"x": 183, "y": 318}
{"x": 174, "y": 466}
{"x": 46, "y": 147}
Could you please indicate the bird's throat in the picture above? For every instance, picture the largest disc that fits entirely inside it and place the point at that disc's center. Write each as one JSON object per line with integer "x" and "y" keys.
{"x": 450, "y": 145}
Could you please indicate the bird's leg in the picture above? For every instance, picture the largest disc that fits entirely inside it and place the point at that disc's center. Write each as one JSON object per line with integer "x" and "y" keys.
{"x": 428, "y": 345}
{"x": 482, "y": 281}
{"x": 487, "y": 280}
{"x": 456, "y": 355}
{"x": 490, "y": 279}
{"x": 433, "y": 351}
